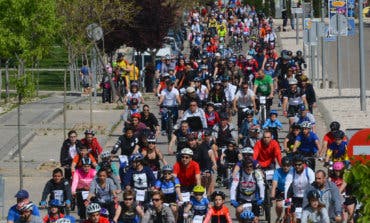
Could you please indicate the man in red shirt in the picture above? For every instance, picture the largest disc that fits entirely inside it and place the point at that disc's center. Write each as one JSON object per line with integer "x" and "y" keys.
{"x": 187, "y": 170}
{"x": 266, "y": 151}
{"x": 93, "y": 212}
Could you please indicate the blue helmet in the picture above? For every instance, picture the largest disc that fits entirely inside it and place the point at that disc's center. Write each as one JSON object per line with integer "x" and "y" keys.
{"x": 136, "y": 157}
{"x": 273, "y": 112}
{"x": 55, "y": 203}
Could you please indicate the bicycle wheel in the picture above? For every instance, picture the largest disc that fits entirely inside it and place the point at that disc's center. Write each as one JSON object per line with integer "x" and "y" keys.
{"x": 267, "y": 205}
{"x": 263, "y": 114}
{"x": 169, "y": 127}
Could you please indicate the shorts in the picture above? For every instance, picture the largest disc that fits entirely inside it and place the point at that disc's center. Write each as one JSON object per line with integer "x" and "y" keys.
{"x": 279, "y": 195}
{"x": 293, "y": 110}
{"x": 350, "y": 200}
{"x": 296, "y": 203}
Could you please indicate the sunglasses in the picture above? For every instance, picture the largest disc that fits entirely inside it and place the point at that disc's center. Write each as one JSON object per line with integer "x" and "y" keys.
{"x": 298, "y": 164}
{"x": 167, "y": 173}
{"x": 249, "y": 166}
{"x": 185, "y": 157}
{"x": 156, "y": 199}
{"x": 128, "y": 199}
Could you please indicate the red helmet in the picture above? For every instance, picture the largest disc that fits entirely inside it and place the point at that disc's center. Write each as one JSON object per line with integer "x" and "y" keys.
{"x": 136, "y": 115}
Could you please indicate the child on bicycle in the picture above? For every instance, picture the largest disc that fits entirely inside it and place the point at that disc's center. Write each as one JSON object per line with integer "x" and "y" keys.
{"x": 198, "y": 203}
{"x": 54, "y": 212}
{"x": 337, "y": 150}
{"x": 218, "y": 212}
{"x": 229, "y": 157}
{"x": 273, "y": 124}
{"x": 77, "y": 160}
{"x": 315, "y": 211}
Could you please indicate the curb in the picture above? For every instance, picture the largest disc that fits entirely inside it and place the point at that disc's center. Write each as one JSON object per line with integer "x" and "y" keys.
{"x": 324, "y": 112}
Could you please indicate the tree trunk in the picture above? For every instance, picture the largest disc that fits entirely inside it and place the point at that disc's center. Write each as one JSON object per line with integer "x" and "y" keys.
{"x": 7, "y": 81}
{"x": 70, "y": 67}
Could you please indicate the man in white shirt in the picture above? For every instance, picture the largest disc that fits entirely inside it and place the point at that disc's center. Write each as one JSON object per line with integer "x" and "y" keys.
{"x": 170, "y": 98}
{"x": 245, "y": 98}
{"x": 195, "y": 111}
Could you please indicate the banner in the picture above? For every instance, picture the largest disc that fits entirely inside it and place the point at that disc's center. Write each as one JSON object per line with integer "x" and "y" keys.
{"x": 351, "y": 17}
{"x": 338, "y": 24}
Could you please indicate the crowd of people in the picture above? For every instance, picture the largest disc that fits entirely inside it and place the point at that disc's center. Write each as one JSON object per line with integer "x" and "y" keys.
{"x": 232, "y": 66}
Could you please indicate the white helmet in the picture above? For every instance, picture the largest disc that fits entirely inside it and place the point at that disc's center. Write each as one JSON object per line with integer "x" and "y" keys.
{"x": 293, "y": 81}
{"x": 105, "y": 154}
{"x": 26, "y": 207}
{"x": 63, "y": 220}
{"x": 187, "y": 151}
{"x": 93, "y": 208}
{"x": 306, "y": 124}
{"x": 247, "y": 150}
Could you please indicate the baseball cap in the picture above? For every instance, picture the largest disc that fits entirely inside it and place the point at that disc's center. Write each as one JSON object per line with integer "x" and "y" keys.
{"x": 22, "y": 194}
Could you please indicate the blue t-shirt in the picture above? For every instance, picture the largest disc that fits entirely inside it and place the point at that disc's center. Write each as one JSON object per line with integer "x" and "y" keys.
{"x": 169, "y": 189}
{"x": 85, "y": 70}
{"x": 308, "y": 144}
{"x": 14, "y": 214}
{"x": 279, "y": 177}
{"x": 199, "y": 207}
{"x": 272, "y": 124}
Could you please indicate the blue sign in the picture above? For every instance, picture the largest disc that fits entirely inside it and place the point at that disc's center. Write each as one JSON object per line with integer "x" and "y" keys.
{"x": 328, "y": 37}
{"x": 351, "y": 27}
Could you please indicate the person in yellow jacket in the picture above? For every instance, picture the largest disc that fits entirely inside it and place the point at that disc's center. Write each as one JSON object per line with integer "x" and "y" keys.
{"x": 133, "y": 72}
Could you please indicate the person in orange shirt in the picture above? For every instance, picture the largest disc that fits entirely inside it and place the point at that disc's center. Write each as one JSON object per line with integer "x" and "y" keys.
{"x": 77, "y": 160}
{"x": 218, "y": 212}
{"x": 267, "y": 151}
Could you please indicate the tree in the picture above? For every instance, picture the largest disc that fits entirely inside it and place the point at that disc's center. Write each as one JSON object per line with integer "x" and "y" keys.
{"x": 358, "y": 177}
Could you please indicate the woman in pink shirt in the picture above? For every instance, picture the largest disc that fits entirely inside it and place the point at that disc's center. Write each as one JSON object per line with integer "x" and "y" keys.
{"x": 81, "y": 181}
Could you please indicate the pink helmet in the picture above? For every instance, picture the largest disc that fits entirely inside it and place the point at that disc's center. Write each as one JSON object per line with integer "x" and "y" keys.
{"x": 338, "y": 165}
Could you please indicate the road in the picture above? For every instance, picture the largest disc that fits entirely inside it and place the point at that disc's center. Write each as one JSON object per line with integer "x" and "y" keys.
{"x": 350, "y": 60}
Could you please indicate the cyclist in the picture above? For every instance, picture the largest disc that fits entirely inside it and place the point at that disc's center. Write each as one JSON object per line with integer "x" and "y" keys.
{"x": 110, "y": 167}
{"x": 229, "y": 158}
{"x": 195, "y": 111}
{"x": 315, "y": 211}
{"x": 68, "y": 151}
{"x": 198, "y": 204}
{"x": 218, "y": 212}
{"x": 330, "y": 195}
{"x": 54, "y": 212}
{"x": 201, "y": 90}
{"x": 293, "y": 97}
{"x": 14, "y": 213}
{"x": 139, "y": 176}
{"x": 132, "y": 108}
{"x": 249, "y": 125}
{"x": 247, "y": 187}
{"x": 264, "y": 86}
{"x": 230, "y": 91}
{"x": 158, "y": 212}
{"x": 187, "y": 170}
{"x": 128, "y": 143}
{"x": 152, "y": 156}
{"x": 244, "y": 99}
{"x": 26, "y": 214}
{"x": 278, "y": 183}
{"x": 273, "y": 124}
{"x": 179, "y": 136}
{"x": 103, "y": 191}
{"x": 212, "y": 115}
{"x": 299, "y": 179}
{"x": 223, "y": 131}
{"x": 93, "y": 212}
{"x": 337, "y": 150}
{"x": 307, "y": 143}
{"x": 329, "y": 138}
{"x": 83, "y": 153}
{"x": 92, "y": 143}
{"x": 309, "y": 91}
{"x": 128, "y": 210}
{"x": 81, "y": 181}
{"x": 267, "y": 151}
{"x": 134, "y": 93}
{"x": 58, "y": 188}
{"x": 305, "y": 115}
{"x": 290, "y": 139}
{"x": 150, "y": 120}
{"x": 170, "y": 98}
{"x": 299, "y": 60}
{"x": 187, "y": 98}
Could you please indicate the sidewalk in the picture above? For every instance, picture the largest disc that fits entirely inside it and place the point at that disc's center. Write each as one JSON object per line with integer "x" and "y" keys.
{"x": 345, "y": 109}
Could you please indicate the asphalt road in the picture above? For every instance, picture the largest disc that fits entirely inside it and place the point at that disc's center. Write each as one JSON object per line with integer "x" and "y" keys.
{"x": 349, "y": 61}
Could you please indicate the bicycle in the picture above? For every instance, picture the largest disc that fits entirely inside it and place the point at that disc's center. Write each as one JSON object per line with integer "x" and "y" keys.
{"x": 288, "y": 216}
{"x": 268, "y": 184}
{"x": 167, "y": 115}
{"x": 262, "y": 112}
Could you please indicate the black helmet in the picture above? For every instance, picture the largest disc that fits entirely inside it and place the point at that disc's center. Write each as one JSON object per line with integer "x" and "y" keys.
{"x": 313, "y": 194}
{"x": 339, "y": 134}
{"x": 231, "y": 141}
{"x": 334, "y": 126}
{"x": 249, "y": 112}
{"x": 299, "y": 53}
{"x": 217, "y": 193}
{"x": 285, "y": 161}
{"x": 86, "y": 161}
{"x": 298, "y": 158}
{"x": 296, "y": 126}
{"x": 224, "y": 116}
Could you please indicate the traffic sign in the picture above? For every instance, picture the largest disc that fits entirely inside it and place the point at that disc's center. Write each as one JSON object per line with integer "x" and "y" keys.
{"x": 338, "y": 17}
{"x": 359, "y": 146}
{"x": 327, "y": 36}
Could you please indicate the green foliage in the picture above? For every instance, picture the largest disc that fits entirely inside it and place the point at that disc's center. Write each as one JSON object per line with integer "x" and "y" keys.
{"x": 27, "y": 28}
{"x": 25, "y": 86}
{"x": 358, "y": 177}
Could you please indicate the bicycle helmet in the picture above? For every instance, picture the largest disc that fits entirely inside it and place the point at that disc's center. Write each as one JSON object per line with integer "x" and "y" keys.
{"x": 93, "y": 208}
{"x": 306, "y": 124}
{"x": 151, "y": 138}
{"x": 199, "y": 189}
{"x": 293, "y": 81}
{"x": 63, "y": 220}
{"x": 338, "y": 166}
{"x": 231, "y": 141}
{"x": 190, "y": 90}
{"x": 134, "y": 101}
{"x": 167, "y": 168}
{"x": 285, "y": 161}
{"x": 302, "y": 107}
{"x": 249, "y": 112}
{"x": 164, "y": 75}
{"x": 136, "y": 157}
{"x": 136, "y": 115}
{"x": 217, "y": 81}
{"x": 217, "y": 193}
{"x": 105, "y": 154}
{"x": 298, "y": 158}
{"x": 273, "y": 112}
{"x": 339, "y": 134}
{"x": 247, "y": 150}
{"x": 299, "y": 53}
{"x": 296, "y": 126}
{"x": 224, "y": 116}
{"x": 26, "y": 207}
{"x": 313, "y": 194}
{"x": 86, "y": 161}
{"x": 197, "y": 79}
{"x": 104, "y": 212}
{"x": 55, "y": 203}
{"x": 187, "y": 151}
{"x": 210, "y": 103}
{"x": 334, "y": 126}
{"x": 89, "y": 132}
{"x": 134, "y": 84}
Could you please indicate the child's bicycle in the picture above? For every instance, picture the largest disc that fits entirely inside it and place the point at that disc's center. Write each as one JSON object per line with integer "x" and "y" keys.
{"x": 288, "y": 216}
